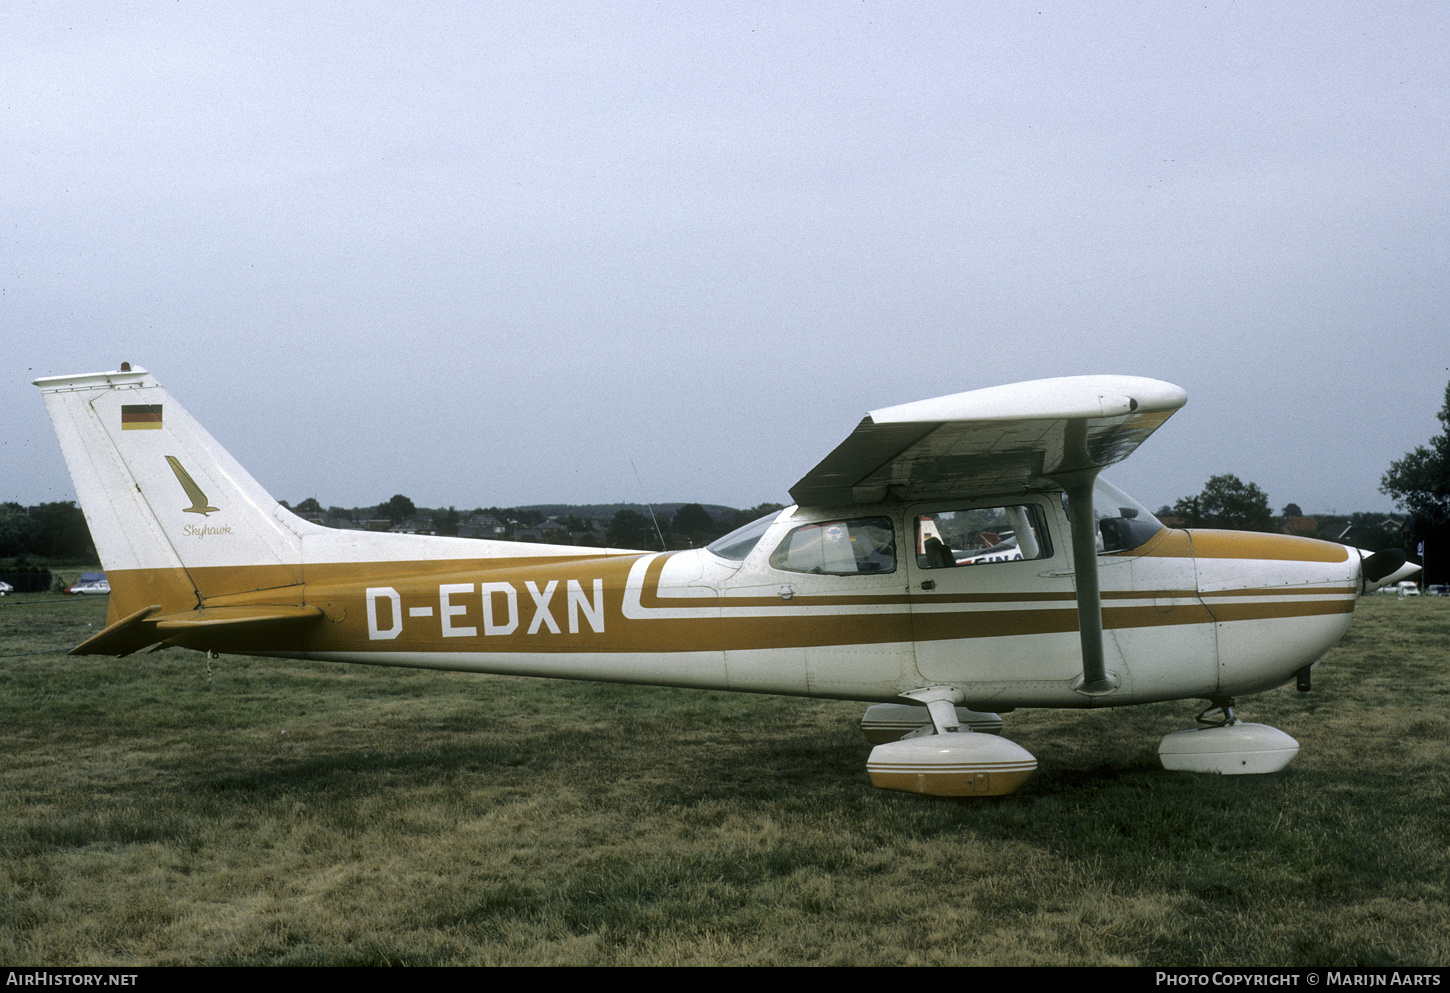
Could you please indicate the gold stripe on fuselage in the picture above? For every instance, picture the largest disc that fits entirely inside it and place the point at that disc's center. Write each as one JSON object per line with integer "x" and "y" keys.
{"x": 592, "y": 603}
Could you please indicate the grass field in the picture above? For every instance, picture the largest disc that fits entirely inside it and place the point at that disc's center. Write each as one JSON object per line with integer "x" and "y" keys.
{"x": 157, "y": 810}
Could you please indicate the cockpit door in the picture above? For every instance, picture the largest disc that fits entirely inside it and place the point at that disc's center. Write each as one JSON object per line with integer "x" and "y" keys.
{"x": 991, "y": 596}
{"x": 998, "y": 608}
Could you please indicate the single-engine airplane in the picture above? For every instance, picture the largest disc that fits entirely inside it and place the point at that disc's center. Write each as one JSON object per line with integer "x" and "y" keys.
{"x": 952, "y": 559}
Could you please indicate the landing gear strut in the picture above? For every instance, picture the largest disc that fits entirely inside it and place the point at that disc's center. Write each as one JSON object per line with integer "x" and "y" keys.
{"x": 1224, "y": 707}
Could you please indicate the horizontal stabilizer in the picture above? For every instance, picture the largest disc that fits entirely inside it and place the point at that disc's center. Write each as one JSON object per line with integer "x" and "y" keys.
{"x": 234, "y": 618}
{"x": 123, "y": 637}
{"x": 213, "y": 625}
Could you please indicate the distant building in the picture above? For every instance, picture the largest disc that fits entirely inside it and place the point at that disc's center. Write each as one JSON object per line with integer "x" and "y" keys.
{"x": 483, "y": 526}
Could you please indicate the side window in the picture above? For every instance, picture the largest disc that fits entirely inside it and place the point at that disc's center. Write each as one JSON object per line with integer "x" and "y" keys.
{"x": 981, "y": 535}
{"x": 865, "y": 544}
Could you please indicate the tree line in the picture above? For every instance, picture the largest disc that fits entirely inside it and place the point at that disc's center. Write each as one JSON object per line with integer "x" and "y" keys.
{"x": 1229, "y": 503}
{"x": 53, "y": 531}
{"x": 688, "y": 525}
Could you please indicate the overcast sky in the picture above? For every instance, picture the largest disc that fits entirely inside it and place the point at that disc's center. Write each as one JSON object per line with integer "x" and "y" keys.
{"x": 491, "y": 253}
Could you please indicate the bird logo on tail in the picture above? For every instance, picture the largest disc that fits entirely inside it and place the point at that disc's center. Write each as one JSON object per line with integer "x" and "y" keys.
{"x": 199, "y": 504}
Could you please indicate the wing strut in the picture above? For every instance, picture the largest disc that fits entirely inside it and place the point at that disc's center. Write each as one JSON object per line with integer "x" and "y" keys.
{"x": 1095, "y": 679}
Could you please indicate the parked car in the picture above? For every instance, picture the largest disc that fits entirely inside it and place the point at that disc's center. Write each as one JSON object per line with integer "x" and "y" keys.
{"x": 86, "y": 579}
{"x": 95, "y": 587}
{"x": 1439, "y": 589}
{"x": 1408, "y": 588}
{"x": 6, "y": 588}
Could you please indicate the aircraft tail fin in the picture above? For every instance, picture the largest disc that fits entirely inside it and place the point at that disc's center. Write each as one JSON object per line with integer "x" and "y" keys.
{"x": 176, "y": 520}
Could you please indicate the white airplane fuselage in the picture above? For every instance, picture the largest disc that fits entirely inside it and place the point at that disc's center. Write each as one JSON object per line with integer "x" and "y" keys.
{"x": 1188, "y": 614}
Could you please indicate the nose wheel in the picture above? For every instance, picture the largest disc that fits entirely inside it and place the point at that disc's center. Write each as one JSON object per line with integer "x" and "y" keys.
{"x": 1225, "y": 745}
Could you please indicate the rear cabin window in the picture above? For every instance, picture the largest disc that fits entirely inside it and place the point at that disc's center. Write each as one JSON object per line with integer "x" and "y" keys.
{"x": 738, "y": 543}
{"x": 839, "y": 548}
{"x": 946, "y": 539}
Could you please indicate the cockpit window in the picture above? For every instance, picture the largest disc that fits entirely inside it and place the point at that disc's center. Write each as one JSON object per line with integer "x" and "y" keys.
{"x": 981, "y": 535}
{"x": 839, "y": 548}
{"x": 738, "y": 543}
{"x": 1123, "y": 523}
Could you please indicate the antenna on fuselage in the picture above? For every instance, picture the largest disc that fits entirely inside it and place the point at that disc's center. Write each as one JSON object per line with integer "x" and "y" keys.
{"x": 645, "y": 498}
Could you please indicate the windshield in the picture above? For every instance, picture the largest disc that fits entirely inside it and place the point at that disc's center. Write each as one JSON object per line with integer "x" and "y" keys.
{"x": 1123, "y": 523}
{"x": 738, "y": 543}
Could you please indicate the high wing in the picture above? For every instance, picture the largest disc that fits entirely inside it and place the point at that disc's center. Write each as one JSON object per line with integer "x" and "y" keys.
{"x": 1002, "y": 440}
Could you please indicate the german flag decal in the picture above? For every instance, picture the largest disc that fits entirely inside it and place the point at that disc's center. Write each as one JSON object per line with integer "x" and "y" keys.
{"x": 141, "y": 417}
